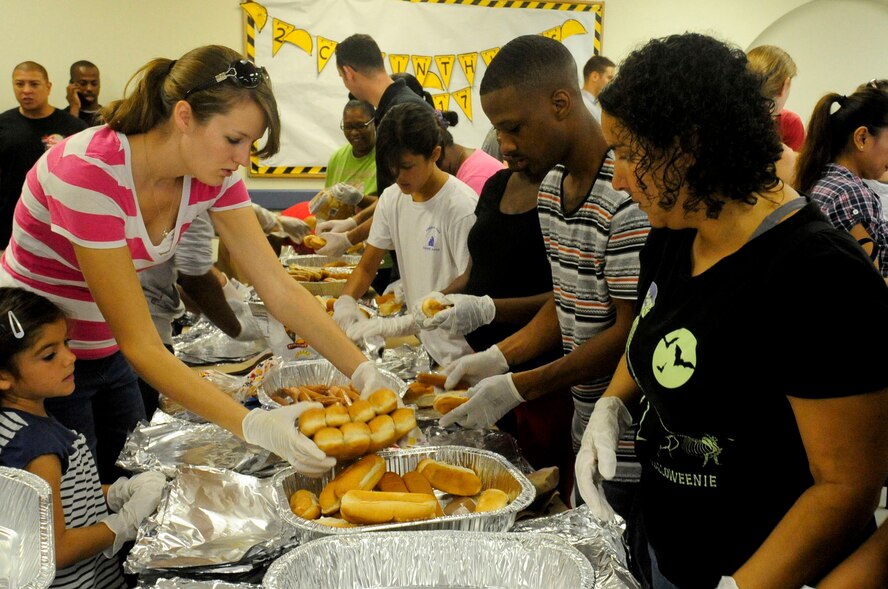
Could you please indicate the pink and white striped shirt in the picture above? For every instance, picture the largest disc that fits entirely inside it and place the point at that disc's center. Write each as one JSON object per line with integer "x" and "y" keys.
{"x": 82, "y": 192}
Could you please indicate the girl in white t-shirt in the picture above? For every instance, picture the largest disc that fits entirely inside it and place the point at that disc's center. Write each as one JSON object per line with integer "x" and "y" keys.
{"x": 425, "y": 217}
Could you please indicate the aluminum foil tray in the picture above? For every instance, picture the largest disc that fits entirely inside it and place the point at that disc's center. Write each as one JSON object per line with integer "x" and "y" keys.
{"x": 313, "y": 372}
{"x": 432, "y": 560}
{"x": 317, "y": 260}
{"x": 493, "y": 470}
{"x": 27, "y": 547}
{"x": 180, "y": 583}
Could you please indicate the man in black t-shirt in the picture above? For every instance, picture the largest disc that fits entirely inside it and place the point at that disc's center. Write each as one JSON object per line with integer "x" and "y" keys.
{"x": 26, "y": 133}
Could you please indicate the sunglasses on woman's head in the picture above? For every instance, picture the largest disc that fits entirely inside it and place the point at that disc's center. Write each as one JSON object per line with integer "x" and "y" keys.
{"x": 244, "y": 73}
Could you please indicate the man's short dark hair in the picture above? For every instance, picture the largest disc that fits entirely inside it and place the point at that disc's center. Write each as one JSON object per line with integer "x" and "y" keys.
{"x": 361, "y": 53}
{"x": 531, "y": 63}
{"x": 82, "y": 64}
{"x": 596, "y": 63}
{"x": 31, "y": 66}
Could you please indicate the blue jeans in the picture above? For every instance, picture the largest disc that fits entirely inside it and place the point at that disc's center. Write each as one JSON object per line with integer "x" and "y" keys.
{"x": 105, "y": 407}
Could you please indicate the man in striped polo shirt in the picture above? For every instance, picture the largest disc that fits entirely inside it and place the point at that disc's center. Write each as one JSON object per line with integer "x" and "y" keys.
{"x": 592, "y": 234}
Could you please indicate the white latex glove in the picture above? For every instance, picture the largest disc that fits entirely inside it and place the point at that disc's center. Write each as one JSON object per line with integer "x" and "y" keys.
{"x": 267, "y": 220}
{"x": 488, "y": 401}
{"x": 729, "y": 583}
{"x": 123, "y": 488}
{"x": 384, "y": 327}
{"x": 467, "y": 314}
{"x": 346, "y": 313}
{"x": 337, "y": 244}
{"x": 250, "y": 328}
{"x": 275, "y": 430}
{"x": 396, "y": 287}
{"x": 337, "y": 226}
{"x": 475, "y": 367}
{"x": 597, "y": 458}
{"x": 346, "y": 193}
{"x": 367, "y": 379}
{"x": 422, "y": 320}
{"x": 296, "y": 229}
{"x": 125, "y": 523}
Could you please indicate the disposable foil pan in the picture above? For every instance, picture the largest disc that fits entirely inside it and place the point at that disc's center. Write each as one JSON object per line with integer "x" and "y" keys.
{"x": 317, "y": 260}
{"x": 432, "y": 560}
{"x": 180, "y": 583}
{"x": 27, "y": 548}
{"x": 492, "y": 469}
{"x": 314, "y": 372}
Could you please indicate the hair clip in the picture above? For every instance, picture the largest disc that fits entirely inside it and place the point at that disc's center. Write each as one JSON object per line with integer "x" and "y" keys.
{"x": 15, "y": 326}
{"x": 837, "y": 104}
{"x": 439, "y": 115}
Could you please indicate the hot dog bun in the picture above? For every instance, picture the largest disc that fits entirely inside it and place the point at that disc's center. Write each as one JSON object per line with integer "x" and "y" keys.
{"x": 355, "y": 439}
{"x": 361, "y": 411}
{"x": 384, "y": 401}
{"x": 450, "y": 478}
{"x": 491, "y": 500}
{"x": 305, "y": 504}
{"x": 467, "y": 503}
{"x": 334, "y": 522}
{"x": 419, "y": 394}
{"x": 432, "y": 378}
{"x": 336, "y": 415}
{"x": 416, "y": 483}
{"x": 391, "y": 482}
{"x": 363, "y": 475}
{"x": 314, "y": 242}
{"x": 447, "y": 402}
{"x": 382, "y": 432}
{"x": 328, "y": 500}
{"x": 329, "y": 440}
{"x": 405, "y": 421}
{"x": 378, "y": 507}
{"x": 431, "y": 307}
{"x": 311, "y": 421}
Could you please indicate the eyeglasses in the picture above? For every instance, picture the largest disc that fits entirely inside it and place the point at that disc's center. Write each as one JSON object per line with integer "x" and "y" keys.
{"x": 354, "y": 126}
{"x": 244, "y": 73}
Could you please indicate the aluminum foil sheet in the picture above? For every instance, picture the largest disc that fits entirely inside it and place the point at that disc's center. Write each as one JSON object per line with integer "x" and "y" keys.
{"x": 27, "y": 545}
{"x": 180, "y": 583}
{"x": 432, "y": 560}
{"x": 492, "y": 469}
{"x": 496, "y": 441}
{"x": 167, "y": 443}
{"x": 211, "y": 519}
{"x": 204, "y": 343}
{"x": 317, "y": 260}
{"x": 313, "y": 372}
{"x": 601, "y": 543}
{"x": 406, "y": 361}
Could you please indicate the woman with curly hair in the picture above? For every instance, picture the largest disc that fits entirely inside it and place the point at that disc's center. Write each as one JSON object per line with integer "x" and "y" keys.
{"x": 847, "y": 144}
{"x": 745, "y": 400}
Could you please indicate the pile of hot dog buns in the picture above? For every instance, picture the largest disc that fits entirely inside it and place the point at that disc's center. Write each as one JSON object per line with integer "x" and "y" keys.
{"x": 365, "y": 425}
{"x": 365, "y": 493}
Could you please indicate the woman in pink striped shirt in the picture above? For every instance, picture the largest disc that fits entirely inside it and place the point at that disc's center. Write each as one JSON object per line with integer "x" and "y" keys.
{"x": 115, "y": 199}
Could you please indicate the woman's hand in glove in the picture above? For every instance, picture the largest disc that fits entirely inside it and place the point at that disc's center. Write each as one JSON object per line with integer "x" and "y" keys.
{"x": 143, "y": 502}
{"x": 275, "y": 430}
{"x": 123, "y": 488}
{"x": 336, "y": 226}
{"x": 383, "y": 327}
{"x": 475, "y": 367}
{"x": 337, "y": 244}
{"x": 296, "y": 229}
{"x": 597, "y": 458}
{"x": 367, "y": 379}
{"x": 346, "y": 193}
{"x": 488, "y": 401}
{"x": 466, "y": 314}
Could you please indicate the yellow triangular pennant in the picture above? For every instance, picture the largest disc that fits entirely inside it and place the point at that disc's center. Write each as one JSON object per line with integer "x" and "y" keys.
{"x": 326, "y": 49}
{"x": 445, "y": 68}
{"x": 442, "y": 101}
{"x": 553, "y": 33}
{"x": 464, "y": 99}
{"x": 284, "y": 32}
{"x": 398, "y": 62}
{"x": 488, "y": 54}
{"x": 469, "y": 64}
{"x": 421, "y": 65}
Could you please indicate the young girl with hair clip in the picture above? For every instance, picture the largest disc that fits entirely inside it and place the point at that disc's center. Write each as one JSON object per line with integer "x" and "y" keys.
{"x": 35, "y": 365}
{"x": 425, "y": 217}
{"x": 114, "y": 200}
{"x": 847, "y": 144}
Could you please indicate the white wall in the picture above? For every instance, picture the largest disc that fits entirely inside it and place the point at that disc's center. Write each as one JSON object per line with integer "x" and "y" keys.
{"x": 836, "y": 43}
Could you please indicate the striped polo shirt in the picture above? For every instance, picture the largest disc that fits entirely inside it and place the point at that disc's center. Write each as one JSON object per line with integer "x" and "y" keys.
{"x": 82, "y": 192}
{"x": 593, "y": 253}
{"x": 24, "y": 437}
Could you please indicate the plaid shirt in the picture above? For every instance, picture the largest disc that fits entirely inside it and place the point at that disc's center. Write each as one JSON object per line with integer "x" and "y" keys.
{"x": 847, "y": 200}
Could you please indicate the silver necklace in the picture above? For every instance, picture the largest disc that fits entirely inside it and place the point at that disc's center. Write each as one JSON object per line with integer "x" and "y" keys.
{"x": 166, "y": 230}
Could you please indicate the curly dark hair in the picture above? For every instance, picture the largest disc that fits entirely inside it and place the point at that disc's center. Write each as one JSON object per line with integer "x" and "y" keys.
{"x": 694, "y": 116}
